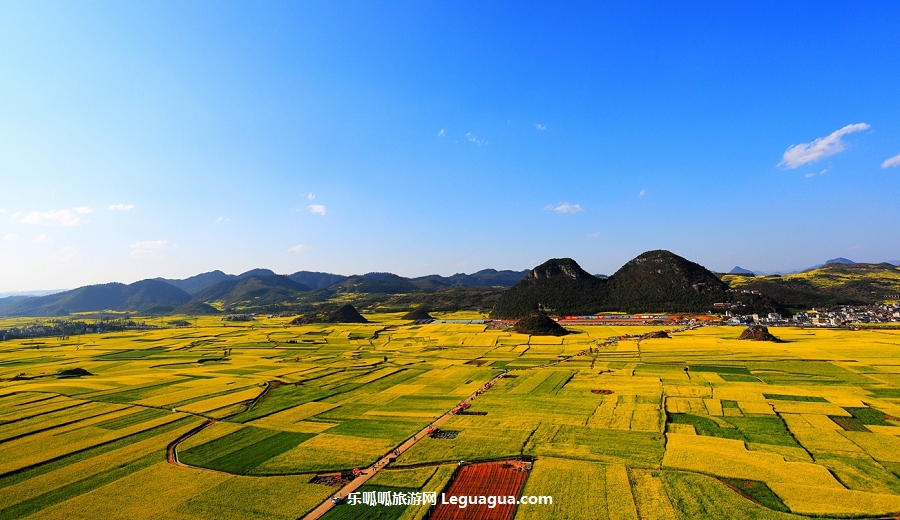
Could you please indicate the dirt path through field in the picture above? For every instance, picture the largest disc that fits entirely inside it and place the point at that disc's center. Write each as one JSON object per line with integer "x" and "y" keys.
{"x": 409, "y": 443}
{"x": 172, "y": 448}
{"x": 370, "y": 472}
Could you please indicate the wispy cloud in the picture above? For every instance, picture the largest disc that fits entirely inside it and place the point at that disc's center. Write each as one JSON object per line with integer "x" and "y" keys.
{"x": 42, "y": 239}
{"x": 594, "y": 235}
{"x": 474, "y": 139}
{"x": 121, "y": 207}
{"x": 564, "y": 207}
{"x": 11, "y": 237}
{"x": 642, "y": 193}
{"x": 311, "y": 196}
{"x": 317, "y": 208}
{"x": 540, "y": 126}
{"x": 442, "y": 133}
{"x": 299, "y": 248}
{"x": 804, "y": 153}
{"x": 810, "y": 175}
{"x": 890, "y": 163}
{"x": 150, "y": 249}
{"x": 222, "y": 220}
{"x": 61, "y": 217}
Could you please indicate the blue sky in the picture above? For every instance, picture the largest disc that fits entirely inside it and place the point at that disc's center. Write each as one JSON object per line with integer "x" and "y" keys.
{"x": 143, "y": 139}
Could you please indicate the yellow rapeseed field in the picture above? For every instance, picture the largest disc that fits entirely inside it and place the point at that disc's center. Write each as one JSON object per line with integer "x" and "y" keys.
{"x": 617, "y": 427}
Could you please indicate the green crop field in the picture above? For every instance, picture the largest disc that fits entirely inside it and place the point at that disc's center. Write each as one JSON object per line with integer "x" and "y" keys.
{"x": 615, "y": 424}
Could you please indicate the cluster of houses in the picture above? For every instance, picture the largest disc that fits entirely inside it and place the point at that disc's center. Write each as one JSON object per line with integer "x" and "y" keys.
{"x": 844, "y": 316}
{"x": 238, "y": 317}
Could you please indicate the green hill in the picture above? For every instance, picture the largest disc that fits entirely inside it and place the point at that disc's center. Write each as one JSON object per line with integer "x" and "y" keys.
{"x": 316, "y": 280}
{"x": 661, "y": 281}
{"x": 418, "y": 314}
{"x": 197, "y": 283}
{"x": 835, "y": 283}
{"x": 382, "y": 283}
{"x": 558, "y": 286}
{"x": 483, "y": 278}
{"x": 655, "y": 281}
{"x": 539, "y": 325}
{"x": 347, "y": 314}
{"x": 138, "y": 296}
{"x": 253, "y": 291}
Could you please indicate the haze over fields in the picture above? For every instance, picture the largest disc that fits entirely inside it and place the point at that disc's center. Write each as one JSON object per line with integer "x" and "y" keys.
{"x": 167, "y": 139}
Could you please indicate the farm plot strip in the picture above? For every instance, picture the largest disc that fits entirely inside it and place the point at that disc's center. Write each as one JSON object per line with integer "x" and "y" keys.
{"x": 73, "y": 480}
{"x": 498, "y": 479}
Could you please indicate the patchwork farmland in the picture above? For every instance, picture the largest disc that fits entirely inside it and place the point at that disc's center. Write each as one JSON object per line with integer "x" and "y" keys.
{"x": 273, "y": 419}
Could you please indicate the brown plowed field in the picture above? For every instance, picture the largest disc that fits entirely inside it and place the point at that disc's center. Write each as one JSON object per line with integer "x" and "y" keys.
{"x": 502, "y": 478}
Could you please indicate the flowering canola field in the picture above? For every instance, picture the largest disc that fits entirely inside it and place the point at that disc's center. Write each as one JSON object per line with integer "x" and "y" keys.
{"x": 615, "y": 424}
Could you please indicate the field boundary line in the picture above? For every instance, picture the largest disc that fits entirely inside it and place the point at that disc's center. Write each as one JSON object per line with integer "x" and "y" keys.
{"x": 172, "y": 448}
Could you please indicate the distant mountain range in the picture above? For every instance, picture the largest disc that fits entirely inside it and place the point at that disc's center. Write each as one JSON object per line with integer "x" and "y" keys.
{"x": 370, "y": 282}
{"x": 26, "y": 294}
{"x": 259, "y": 289}
{"x": 840, "y": 260}
{"x": 655, "y": 281}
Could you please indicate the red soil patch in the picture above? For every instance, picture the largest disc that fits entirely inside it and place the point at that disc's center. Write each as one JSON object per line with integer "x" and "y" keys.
{"x": 502, "y": 478}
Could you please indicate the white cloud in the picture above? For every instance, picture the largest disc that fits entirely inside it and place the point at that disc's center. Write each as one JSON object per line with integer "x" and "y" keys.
{"x": 65, "y": 254}
{"x": 540, "y": 126}
{"x": 299, "y": 248}
{"x": 121, "y": 207}
{"x": 42, "y": 239}
{"x": 310, "y": 196}
{"x": 475, "y": 139}
{"x": 893, "y": 161}
{"x": 150, "y": 249}
{"x": 317, "y": 208}
{"x": 803, "y": 153}
{"x": 62, "y": 217}
{"x": 642, "y": 193}
{"x": 594, "y": 235}
{"x": 222, "y": 219}
{"x": 442, "y": 133}
{"x": 810, "y": 175}
{"x": 564, "y": 207}
{"x": 11, "y": 237}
